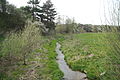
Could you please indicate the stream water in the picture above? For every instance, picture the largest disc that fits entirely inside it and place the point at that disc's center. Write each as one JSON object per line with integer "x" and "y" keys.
{"x": 68, "y": 73}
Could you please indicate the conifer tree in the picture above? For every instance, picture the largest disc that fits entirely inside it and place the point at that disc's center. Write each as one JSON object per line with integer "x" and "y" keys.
{"x": 48, "y": 16}
{"x": 34, "y": 4}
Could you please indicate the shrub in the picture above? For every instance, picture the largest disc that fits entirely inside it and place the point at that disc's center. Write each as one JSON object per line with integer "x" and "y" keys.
{"x": 18, "y": 45}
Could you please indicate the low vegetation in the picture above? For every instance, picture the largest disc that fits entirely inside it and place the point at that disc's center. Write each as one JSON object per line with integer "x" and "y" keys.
{"x": 113, "y": 53}
{"x": 27, "y": 55}
{"x": 90, "y": 53}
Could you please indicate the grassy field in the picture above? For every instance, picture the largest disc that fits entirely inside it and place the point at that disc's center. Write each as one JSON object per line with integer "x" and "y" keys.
{"x": 96, "y": 54}
{"x": 28, "y": 56}
{"x": 41, "y": 65}
{"x": 90, "y": 53}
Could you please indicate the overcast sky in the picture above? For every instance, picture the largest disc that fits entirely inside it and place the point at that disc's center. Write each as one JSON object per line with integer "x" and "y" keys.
{"x": 84, "y": 11}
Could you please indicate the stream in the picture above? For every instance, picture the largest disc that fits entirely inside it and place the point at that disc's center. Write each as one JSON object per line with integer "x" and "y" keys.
{"x": 68, "y": 73}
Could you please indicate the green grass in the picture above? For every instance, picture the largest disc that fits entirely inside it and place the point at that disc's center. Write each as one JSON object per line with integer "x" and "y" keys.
{"x": 87, "y": 53}
{"x": 46, "y": 66}
{"x": 28, "y": 46}
{"x": 113, "y": 56}
{"x": 51, "y": 70}
{"x": 91, "y": 53}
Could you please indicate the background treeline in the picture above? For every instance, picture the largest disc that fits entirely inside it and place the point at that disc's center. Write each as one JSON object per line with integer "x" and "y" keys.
{"x": 78, "y": 28}
{"x": 69, "y": 25}
{"x": 14, "y": 19}
{"x": 11, "y": 18}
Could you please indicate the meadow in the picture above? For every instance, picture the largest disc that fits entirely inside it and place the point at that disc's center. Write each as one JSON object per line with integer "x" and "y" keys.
{"x": 91, "y": 53}
{"x": 40, "y": 65}
{"x": 95, "y": 54}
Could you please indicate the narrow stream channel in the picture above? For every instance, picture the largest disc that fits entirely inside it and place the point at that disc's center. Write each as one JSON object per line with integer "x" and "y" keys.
{"x": 68, "y": 73}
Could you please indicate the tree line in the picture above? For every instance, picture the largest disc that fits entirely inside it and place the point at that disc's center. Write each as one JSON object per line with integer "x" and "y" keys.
{"x": 14, "y": 19}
